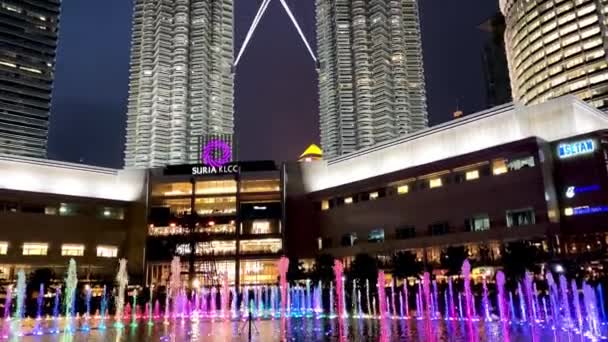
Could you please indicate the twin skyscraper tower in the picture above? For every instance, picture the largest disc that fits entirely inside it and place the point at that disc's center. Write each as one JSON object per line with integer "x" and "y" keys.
{"x": 181, "y": 91}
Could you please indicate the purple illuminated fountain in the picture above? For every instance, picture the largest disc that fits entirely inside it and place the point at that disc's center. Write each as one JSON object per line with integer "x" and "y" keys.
{"x": 468, "y": 301}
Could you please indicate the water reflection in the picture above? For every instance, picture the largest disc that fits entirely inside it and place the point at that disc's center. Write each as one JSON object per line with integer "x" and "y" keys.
{"x": 303, "y": 329}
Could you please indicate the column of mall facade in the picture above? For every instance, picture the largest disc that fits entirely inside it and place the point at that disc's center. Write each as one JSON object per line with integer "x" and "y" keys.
{"x": 371, "y": 80}
{"x": 181, "y": 82}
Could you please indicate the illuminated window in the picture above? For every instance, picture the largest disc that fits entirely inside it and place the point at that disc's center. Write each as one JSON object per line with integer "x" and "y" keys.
{"x": 435, "y": 183}
{"x": 271, "y": 185}
{"x": 216, "y": 187}
{"x": 373, "y": 195}
{"x": 517, "y": 164}
{"x": 11, "y": 8}
{"x": 112, "y": 213}
{"x": 470, "y": 175}
{"x": 320, "y": 243}
{"x": 36, "y": 71}
{"x": 376, "y": 235}
{"x": 520, "y": 217}
{"x": 72, "y": 250}
{"x": 477, "y": 223}
{"x": 107, "y": 251}
{"x": 12, "y": 65}
{"x": 324, "y": 205}
{"x": 403, "y": 189}
{"x": 499, "y": 167}
{"x": 3, "y": 248}
{"x": 35, "y": 248}
{"x": 260, "y": 227}
{"x": 348, "y": 200}
{"x": 261, "y": 246}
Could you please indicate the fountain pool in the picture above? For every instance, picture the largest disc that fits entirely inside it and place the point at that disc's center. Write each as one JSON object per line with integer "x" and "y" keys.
{"x": 452, "y": 310}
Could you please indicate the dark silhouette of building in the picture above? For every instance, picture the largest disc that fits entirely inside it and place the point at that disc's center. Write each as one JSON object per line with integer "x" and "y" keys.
{"x": 495, "y": 69}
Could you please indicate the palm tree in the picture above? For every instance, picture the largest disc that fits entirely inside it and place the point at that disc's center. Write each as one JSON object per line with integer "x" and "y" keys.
{"x": 323, "y": 271}
{"x": 364, "y": 267}
{"x": 405, "y": 264}
{"x": 453, "y": 258}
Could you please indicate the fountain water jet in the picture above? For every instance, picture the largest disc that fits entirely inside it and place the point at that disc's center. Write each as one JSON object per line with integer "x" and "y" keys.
{"x": 283, "y": 267}
{"x": 466, "y": 273}
{"x": 122, "y": 278}
{"x": 339, "y": 274}
{"x": 70, "y": 293}
{"x": 381, "y": 295}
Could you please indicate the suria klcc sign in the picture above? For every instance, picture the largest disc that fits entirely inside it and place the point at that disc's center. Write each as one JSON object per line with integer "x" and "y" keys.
{"x": 576, "y": 148}
{"x": 216, "y": 157}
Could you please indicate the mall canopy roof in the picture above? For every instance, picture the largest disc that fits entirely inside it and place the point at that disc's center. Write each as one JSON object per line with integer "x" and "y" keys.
{"x": 47, "y": 176}
{"x": 553, "y": 120}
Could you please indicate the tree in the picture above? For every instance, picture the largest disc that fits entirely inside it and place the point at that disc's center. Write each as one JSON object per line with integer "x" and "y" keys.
{"x": 364, "y": 267}
{"x": 39, "y": 276}
{"x": 323, "y": 270}
{"x": 519, "y": 257}
{"x": 406, "y": 265}
{"x": 295, "y": 270}
{"x": 452, "y": 259}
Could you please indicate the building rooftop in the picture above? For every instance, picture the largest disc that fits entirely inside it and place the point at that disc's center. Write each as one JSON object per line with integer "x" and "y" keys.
{"x": 550, "y": 121}
{"x": 60, "y": 178}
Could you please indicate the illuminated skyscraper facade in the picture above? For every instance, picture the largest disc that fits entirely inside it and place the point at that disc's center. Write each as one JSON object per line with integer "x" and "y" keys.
{"x": 371, "y": 77}
{"x": 28, "y": 42}
{"x": 181, "y": 81}
{"x": 557, "y": 47}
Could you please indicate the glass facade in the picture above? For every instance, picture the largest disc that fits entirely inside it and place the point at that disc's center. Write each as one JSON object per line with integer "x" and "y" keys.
{"x": 235, "y": 227}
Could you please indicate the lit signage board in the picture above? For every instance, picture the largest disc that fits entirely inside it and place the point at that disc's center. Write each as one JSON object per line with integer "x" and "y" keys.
{"x": 586, "y": 210}
{"x": 572, "y": 191}
{"x": 216, "y": 153}
{"x": 229, "y": 169}
{"x": 577, "y": 148}
{"x": 226, "y": 169}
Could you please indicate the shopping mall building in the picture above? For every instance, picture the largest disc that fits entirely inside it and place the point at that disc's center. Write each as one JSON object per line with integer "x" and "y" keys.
{"x": 236, "y": 226}
{"x": 535, "y": 173}
{"x": 53, "y": 211}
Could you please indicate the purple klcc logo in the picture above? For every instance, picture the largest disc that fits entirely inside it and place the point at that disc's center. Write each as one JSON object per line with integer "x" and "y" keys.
{"x": 209, "y": 150}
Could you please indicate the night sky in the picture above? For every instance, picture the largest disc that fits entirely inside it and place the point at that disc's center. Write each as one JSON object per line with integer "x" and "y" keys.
{"x": 276, "y": 105}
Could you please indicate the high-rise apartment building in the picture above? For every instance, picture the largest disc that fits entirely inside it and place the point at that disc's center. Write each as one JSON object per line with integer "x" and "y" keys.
{"x": 371, "y": 79}
{"x": 181, "y": 83}
{"x": 556, "y": 48}
{"x": 28, "y": 42}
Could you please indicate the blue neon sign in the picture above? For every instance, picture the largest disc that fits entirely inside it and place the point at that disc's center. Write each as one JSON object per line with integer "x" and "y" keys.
{"x": 587, "y": 210}
{"x": 572, "y": 191}
{"x": 576, "y": 148}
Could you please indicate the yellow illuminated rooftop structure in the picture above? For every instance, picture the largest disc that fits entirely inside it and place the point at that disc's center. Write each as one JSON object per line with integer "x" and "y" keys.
{"x": 313, "y": 152}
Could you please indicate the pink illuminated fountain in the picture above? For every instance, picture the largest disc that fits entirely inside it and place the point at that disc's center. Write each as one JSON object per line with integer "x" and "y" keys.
{"x": 381, "y": 295}
{"x": 426, "y": 288}
{"x": 338, "y": 273}
{"x": 283, "y": 266}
